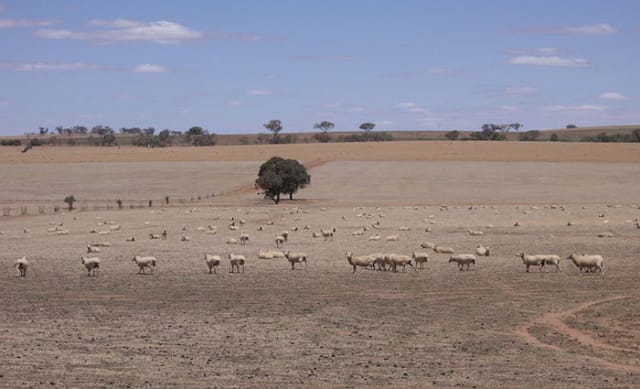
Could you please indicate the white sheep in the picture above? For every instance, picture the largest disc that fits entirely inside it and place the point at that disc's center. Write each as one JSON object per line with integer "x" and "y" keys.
{"x": 358, "y": 232}
{"x": 279, "y": 241}
{"x": 420, "y": 258}
{"x": 428, "y": 245}
{"x": 21, "y": 267}
{"x": 132, "y": 238}
{"x": 550, "y": 259}
{"x": 328, "y": 234}
{"x": 443, "y": 250}
{"x": 92, "y": 264}
{"x": 294, "y": 258}
{"x": 532, "y": 260}
{"x": 404, "y": 228}
{"x": 184, "y": 238}
{"x": 396, "y": 260}
{"x": 145, "y": 262}
{"x": 360, "y": 261}
{"x": 588, "y": 262}
{"x": 154, "y": 236}
{"x": 483, "y": 251}
{"x": 213, "y": 261}
{"x": 232, "y": 241}
{"x": 101, "y": 244}
{"x": 392, "y": 238}
{"x": 375, "y": 238}
{"x": 463, "y": 259}
{"x": 475, "y": 233}
{"x": 244, "y": 238}
{"x": 236, "y": 260}
{"x": 92, "y": 249}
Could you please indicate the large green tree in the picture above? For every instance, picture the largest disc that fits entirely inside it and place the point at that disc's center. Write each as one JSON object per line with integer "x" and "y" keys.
{"x": 282, "y": 176}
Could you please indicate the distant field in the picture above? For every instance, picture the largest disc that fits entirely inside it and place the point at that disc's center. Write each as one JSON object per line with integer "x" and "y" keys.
{"x": 495, "y": 325}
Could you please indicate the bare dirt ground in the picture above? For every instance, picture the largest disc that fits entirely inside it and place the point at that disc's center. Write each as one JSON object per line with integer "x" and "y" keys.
{"x": 495, "y": 325}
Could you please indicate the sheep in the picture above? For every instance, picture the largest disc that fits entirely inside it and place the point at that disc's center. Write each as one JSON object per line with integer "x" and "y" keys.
{"x": 92, "y": 264}
{"x": 154, "y": 236}
{"x": 475, "y": 233}
{"x": 379, "y": 261}
{"x": 550, "y": 259}
{"x": 101, "y": 244}
{"x": 428, "y": 245}
{"x": 92, "y": 249}
{"x": 244, "y": 238}
{"x": 184, "y": 238}
{"x": 132, "y": 238}
{"x": 375, "y": 238}
{"x": 279, "y": 241}
{"x": 482, "y": 251}
{"x": 294, "y": 258}
{"x": 145, "y": 262}
{"x": 315, "y": 235}
{"x": 21, "y": 267}
{"x": 265, "y": 254}
{"x": 164, "y": 234}
{"x": 213, "y": 261}
{"x": 443, "y": 250}
{"x": 285, "y": 235}
{"x": 360, "y": 261}
{"x": 358, "y": 232}
{"x": 420, "y": 258}
{"x": 605, "y": 235}
{"x": 232, "y": 241}
{"x": 396, "y": 260}
{"x": 236, "y": 260}
{"x": 532, "y": 260}
{"x": 588, "y": 262}
{"x": 392, "y": 238}
{"x": 327, "y": 234}
{"x": 404, "y": 228}
{"x": 463, "y": 259}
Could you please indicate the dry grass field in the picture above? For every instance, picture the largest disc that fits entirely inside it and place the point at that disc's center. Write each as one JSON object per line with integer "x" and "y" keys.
{"x": 272, "y": 327}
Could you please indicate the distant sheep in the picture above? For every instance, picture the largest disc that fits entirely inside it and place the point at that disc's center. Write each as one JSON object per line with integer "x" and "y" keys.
{"x": 212, "y": 261}
{"x": 145, "y": 263}
{"x": 294, "y": 258}
{"x": 475, "y": 233}
{"x": 420, "y": 258}
{"x": 101, "y": 244}
{"x": 462, "y": 260}
{"x": 588, "y": 262}
{"x": 279, "y": 241}
{"x": 236, "y": 260}
{"x": 21, "y": 267}
{"x": 392, "y": 238}
{"x": 232, "y": 241}
{"x": 92, "y": 265}
{"x": 132, "y": 238}
{"x": 396, "y": 260}
{"x": 328, "y": 234}
{"x": 270, "y": 254}
{"x": 443, "y": 250}
{"x": 244, "y": 238}
{"x": 428, "y": 245}
{"x": 92, "y": 249}
{"x": 483, "y": 251}
{"x": 375, "y": 238}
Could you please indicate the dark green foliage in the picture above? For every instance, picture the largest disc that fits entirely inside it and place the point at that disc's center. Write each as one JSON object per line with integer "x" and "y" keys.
{"x": 529, "y": 136}
{"x": 282, "y": 176}
{"x": 569, "y": 126}
{"x": 275, "y": 126}
{"x": 603, "y": 137}
{"x": 10, "y": 142}
{"x": 452, "y": 135}
{"x": 554, "y": 137}
{"x": 322, "y": 137}
{"x": 489, "y": 132}
{"x": 70, "y": 200}
{"x": 368, "y": 137}
{"x": 367, "y": 126}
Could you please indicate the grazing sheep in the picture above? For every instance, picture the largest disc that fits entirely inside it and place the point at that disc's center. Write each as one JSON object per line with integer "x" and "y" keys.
{"x": 154, "y": 236}
{"x": 392, "y": 238}
{"x": 213, "y": 261}
{"x": 236, "y": 260}
{"x": 315, "y": 235}
{"x": 482, "y": 251}
{"x": 327, "y": 234}
{"x": 532, "y": 260}
{"x": 101, "y": 244}
{"x": 145, "y": 262}
{"x": 184, "y": 238}
{"x": 463, "y": 259}
{"x": 404, "y": 228}
{"x": 279, "y": 241}
{"x": 396, "y": 260}
{"x": 420, "y": 258}
{"x": 164, "y": 234}
{"x": 443, "y": 250}
{"x": 605, "y": 235}
{"x": 265, "y": 254}
{"x": 132, "y": 238}
{"x": 285, "y": 235}
{"x": 92, "y": 265}
{"x": 21, "y": 267}
{"x": 428, "y": 245}
{"x": 360, "y": 261}
{"x": 475, "y": 233}
{"x": 244, "y": 238}
{"x": 588, "y": 262}
{"x": 92, "y": 249}
{"x": 375, "y": 238}
{"x": 294, "y": 258}
{"x": 232, "y": 241}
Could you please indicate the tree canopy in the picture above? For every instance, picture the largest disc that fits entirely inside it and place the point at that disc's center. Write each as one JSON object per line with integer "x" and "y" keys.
{"x": 275, "y": 126}
{"x": 282, "y": 176}
{"x": 367, "y": 126}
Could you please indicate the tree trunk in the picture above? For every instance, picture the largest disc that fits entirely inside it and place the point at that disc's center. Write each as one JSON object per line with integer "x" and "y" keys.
{"x": 291, "y": 196}
{"x": 277, "y": 198}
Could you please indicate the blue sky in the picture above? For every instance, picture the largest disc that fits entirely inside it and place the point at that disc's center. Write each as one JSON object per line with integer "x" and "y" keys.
{"x": 230, "y": 66}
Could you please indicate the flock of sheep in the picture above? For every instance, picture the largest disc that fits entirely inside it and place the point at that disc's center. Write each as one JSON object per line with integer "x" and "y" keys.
{"x": 375, "y": 261}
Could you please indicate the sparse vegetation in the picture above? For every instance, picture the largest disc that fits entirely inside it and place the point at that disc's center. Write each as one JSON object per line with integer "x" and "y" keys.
{"x": 530, "y": 136}
{"x": 275, "y": 126}
{"x": 452, "y": 135}
{"x": 69, "y": 200}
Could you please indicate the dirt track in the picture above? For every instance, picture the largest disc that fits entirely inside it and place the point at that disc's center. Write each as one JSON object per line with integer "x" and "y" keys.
{"x": 326, "y": 327}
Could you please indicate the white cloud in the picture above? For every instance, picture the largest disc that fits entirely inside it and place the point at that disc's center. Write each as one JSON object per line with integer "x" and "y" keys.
{"x": 123, "y": 30}
{"x": 509, "y": 108}
{"x": 357, "y": 109}
{"x": 553, "y": 61}
{"x": 537, "y": 51}
{"x": 259, "y": 92}
{"x": 411, "y": 107}
{"x": 584, "y": 107}
{"x": 150, "y": 68}
{"x": 520, "y": 90}
{"x": 46, "y": 66}
{"x": 612, "y": 96}
{"x": 594, "y": 29}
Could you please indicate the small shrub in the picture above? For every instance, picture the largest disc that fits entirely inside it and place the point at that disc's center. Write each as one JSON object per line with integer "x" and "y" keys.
{"x": 70, "y": 200}
{"x": 119, "y": 202}
{"x": 554, "y": 137}
{"x": 452, "y": 135}
{"x": 569, "y": 126}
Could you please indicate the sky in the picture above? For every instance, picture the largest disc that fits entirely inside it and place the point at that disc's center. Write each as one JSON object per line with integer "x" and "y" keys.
{"x": 231, "y": 66}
